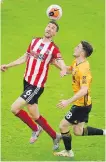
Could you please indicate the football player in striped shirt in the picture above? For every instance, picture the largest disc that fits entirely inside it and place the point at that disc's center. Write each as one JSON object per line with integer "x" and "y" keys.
{"x": 38, "y": 57}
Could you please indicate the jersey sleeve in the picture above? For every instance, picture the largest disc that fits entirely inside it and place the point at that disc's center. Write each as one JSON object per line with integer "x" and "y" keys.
{"x": 85, "y": 78}
{"x": 56, "y": 53}
{"x": 29, "y": 47}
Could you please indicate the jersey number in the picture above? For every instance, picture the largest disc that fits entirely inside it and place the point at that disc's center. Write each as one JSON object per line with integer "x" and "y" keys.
{"x": 28, "y": 93}
{"x": 69, "y": 114}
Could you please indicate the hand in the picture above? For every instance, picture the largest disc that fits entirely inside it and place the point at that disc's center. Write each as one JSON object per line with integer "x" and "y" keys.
{"x": 3, "y": 68}
{"x": 63, "y": 104}
{"x": 63, "y": 72}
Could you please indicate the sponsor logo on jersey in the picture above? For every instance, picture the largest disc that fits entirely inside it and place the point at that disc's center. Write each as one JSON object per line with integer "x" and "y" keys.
{"x": 36, "y": 55}
{"x": 40, "y": 47}
{"x": 47, "y": 52}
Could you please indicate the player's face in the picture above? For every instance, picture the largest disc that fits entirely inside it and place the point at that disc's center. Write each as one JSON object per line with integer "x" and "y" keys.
{"x": 78, "y": 50}
{"x": 50, "y": 30}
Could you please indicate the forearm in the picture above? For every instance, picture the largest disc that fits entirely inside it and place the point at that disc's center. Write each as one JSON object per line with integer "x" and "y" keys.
{"x": 19, "y": 61}
{"x": 55, "y": 63}
{"x": 61, "y": 65}
{"x": 78, "y": 95}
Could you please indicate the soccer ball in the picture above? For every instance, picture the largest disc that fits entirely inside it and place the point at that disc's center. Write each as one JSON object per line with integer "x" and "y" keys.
{"x": 54, "y": 12}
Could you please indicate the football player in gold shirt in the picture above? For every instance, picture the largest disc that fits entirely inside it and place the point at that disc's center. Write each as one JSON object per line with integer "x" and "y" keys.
{"x": 82, "y": 104}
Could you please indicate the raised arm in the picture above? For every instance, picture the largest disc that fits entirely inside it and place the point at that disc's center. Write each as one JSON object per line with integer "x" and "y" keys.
{"x": 19, "y": 61}
{"x": 58, "y": 65}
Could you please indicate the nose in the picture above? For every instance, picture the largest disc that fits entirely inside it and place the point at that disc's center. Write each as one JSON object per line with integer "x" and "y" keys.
{"x": 48, "y": 29}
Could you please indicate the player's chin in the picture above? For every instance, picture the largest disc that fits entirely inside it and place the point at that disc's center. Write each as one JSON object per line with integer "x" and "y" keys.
{"x": 47, "y": 35}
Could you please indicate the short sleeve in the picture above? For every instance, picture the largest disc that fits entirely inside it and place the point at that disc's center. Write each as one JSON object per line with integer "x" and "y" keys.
{"x": 56, "y": 53}
{"x": 85, "y": 78}
{"x": 29, "y": 47}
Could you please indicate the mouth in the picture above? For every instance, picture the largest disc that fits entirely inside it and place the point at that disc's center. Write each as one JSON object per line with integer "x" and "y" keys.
{"x": 47, "y": 32}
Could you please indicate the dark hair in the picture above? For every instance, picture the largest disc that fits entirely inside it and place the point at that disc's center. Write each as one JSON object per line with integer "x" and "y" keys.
{"x": 87, "y": 47}
{"x": 54, "y": 22}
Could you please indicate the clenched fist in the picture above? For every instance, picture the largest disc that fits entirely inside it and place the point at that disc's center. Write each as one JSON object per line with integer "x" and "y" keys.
{"x": 3, "y": 67}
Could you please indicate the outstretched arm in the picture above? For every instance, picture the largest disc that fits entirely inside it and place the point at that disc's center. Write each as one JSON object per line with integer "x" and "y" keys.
{"x": 19, "y": 61}
{"x": 61, "y": 65}
{"x": 57, "y": 65}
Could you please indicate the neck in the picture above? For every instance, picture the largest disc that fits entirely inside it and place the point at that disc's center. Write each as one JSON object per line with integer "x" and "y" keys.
{"x": 80, "y": 60}
{"x": 45, "y": 39}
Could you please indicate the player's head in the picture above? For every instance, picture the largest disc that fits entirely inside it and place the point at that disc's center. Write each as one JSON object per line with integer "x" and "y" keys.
{"x": 84, "y": 49}
{"x": 51, "y": 29}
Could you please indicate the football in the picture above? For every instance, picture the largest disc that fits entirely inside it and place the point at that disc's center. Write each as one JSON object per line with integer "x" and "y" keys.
{"x": 54, "y": 12}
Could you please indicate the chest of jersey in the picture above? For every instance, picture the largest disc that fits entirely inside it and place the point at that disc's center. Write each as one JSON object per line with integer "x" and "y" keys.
{"x": 75, "y": 75}
{"x": 41, "y": 53}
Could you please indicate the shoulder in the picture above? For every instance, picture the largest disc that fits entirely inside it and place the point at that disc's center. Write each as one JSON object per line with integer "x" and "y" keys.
{"x": 85, "y": 67}
{"x": 35, "y": 39}
{"x": 56, "y": 50}
{"x": 55, "y": 46}
{"x": 86, "y": 63}
{"x": 73, "y": 62}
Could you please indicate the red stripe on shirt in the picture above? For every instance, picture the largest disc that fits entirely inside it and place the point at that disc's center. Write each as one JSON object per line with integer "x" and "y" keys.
{"x": 42, "y": 66}
{"x": 34, "y": 63}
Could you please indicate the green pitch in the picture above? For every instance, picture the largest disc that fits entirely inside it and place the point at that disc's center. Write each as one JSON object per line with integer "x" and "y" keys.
{"x": 21, "y": 21}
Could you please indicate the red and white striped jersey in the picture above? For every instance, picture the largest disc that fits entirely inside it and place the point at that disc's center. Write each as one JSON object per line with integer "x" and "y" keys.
{"x": 39, "y": 57}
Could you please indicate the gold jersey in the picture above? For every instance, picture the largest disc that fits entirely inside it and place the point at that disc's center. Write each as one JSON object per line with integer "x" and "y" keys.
{"x": 81, "y": 76}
